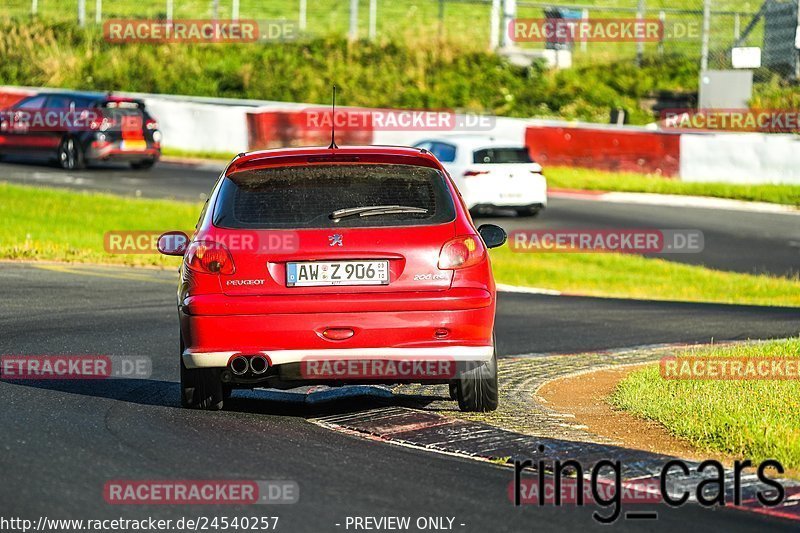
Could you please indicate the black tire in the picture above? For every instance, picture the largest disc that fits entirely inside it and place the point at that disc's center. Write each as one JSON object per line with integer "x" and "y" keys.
{"x": 476, "y": 388}
{"x": 201, "y": 388}
{"x": 143, "y": 164}
{"x": 453, "y": 386}
{"x": 70, "y": 154}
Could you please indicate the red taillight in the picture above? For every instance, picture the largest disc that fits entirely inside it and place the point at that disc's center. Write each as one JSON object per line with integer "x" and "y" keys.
{"x": 469, "y": 173}
{"x": 209, "y": 257}
{"x": 461, "y": 252}
{"x": 151, "y": 124}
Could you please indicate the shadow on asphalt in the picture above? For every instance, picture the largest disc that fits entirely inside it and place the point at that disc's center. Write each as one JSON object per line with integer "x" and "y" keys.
{"x": 418, "y": 427}
{"x": 52, "y": 164}
{"x": 327, "y": 402}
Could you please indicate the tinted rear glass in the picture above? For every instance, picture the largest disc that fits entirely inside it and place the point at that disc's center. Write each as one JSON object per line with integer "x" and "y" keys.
{"x": 305, "y": 196}
{"x": 502, "y": 155}
{"x": 135, "y": 105}
{"x": 127, "y": 113}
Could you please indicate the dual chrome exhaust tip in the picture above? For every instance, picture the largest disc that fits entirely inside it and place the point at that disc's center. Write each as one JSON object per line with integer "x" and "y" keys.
{"x": 241, "y": 365}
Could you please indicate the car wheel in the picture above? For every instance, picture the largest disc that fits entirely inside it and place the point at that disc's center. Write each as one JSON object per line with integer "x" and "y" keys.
{"x": 453, "y": 390}
{"x": 70, "y": 154}
{"x": 201, "y": 388}
{"x": 476, "y": 388}
{"x": 143, "y": 164}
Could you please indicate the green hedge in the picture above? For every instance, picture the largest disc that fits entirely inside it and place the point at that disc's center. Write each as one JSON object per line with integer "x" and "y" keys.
{"x": 382, "y": 74}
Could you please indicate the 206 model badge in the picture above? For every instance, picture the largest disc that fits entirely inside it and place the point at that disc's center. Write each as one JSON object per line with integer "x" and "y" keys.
{"x": 335, "y": 239}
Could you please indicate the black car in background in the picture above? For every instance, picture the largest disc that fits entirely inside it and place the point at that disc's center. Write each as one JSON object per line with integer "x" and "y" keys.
{"x": 78, "y": 128}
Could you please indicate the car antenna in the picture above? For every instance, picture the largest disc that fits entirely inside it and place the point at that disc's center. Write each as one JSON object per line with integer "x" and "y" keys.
{"x": 333, "y": 121}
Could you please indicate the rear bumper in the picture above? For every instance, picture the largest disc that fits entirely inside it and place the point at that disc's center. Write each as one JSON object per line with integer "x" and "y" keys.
{"x": 456, "y": 354}
{"x": 532, "y": 191}
{"x": 457, "y": 328}
{"x": 112, "y": 151}
{"x": 454, "y": 299}
{"x": 484, "y": 207}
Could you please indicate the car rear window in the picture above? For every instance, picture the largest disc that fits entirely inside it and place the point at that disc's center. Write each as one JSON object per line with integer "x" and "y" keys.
{"x": 127, "y": 112}
{"x": 305, "y": 196}
{"x": 502, "y": 155}
{"x": 134, "y": 105}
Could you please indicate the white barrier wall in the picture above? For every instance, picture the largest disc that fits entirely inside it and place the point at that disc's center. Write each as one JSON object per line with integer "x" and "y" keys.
{"x": 200, "y": 127}
{"x": 220, "y": 125}
{"x": 740, "y": 158}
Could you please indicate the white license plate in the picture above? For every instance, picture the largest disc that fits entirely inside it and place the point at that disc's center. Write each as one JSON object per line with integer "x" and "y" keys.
{"x": 316, "y": 273}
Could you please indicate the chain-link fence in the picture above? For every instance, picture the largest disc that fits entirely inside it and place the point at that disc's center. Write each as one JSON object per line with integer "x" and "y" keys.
{"x": 718, "y": 34}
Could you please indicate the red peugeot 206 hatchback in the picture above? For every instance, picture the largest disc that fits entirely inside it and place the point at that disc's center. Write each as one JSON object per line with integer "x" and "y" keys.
{"x": 336, "y": 266}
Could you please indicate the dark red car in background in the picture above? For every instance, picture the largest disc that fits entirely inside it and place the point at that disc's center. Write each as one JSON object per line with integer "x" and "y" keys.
{"x": 78, "y": 128}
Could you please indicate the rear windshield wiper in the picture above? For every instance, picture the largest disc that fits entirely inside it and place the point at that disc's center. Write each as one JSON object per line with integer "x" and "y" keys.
{"x": 374, "y": 210}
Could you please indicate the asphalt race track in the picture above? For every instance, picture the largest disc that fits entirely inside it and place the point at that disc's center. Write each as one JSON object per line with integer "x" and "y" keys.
{"x": 734, "y": 240}
{"x": 85, "y": 433}
{"x": 62, "y": 441}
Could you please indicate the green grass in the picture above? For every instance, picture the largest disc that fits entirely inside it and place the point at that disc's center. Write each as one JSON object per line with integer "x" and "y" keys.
{"x": 578, "y": 178}
{"x": 200, "y": 154}
{"x": 745, "y": 418}
{"x": 463, "y": 22}
{"x": 630, "y": 276}
{"x": 50, "y": 224}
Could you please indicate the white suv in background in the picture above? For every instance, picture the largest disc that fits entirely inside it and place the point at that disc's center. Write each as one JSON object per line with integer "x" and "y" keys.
{"x": 491, "y": 173}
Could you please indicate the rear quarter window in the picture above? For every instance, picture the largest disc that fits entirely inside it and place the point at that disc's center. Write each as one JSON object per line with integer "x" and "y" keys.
{"x": 305, "y": 196}
{"x": 444, "y": 152}
{"x": 37, "y": 102}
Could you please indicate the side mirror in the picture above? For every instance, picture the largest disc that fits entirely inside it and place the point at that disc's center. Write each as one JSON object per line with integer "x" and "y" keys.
{"x": 173, "y": 243}
{"x": 493, "y": 236}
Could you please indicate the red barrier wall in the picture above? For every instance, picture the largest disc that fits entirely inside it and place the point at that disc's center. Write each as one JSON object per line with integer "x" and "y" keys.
{"x": 9, "y": 97}
{"x": 606, "y": 149}
{"x": 276, "y": 129}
